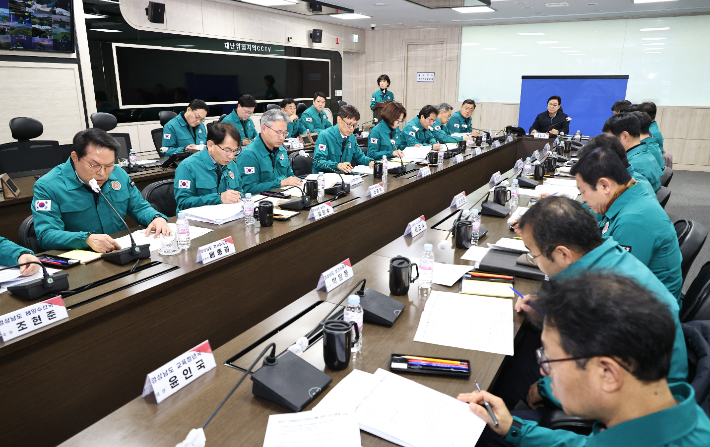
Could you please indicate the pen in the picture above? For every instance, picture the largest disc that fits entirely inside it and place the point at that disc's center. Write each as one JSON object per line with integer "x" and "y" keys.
{"x": 443, "y": 365}
{"x": 47, "y": 261}
{"x": 429, "y": 368}
{"x": 453, "y": 362}
{"x": 488, "y": 406}
{"x": 529, "y": 303}
{"x": 490, "y": 275}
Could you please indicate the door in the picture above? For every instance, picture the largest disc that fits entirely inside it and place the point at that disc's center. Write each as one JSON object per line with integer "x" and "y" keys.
{"x": 424, "y": 58}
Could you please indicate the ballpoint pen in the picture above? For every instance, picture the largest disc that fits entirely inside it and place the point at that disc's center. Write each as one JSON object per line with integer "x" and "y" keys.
{"x": 529, "y": 303}
{"x": 488, "y": 406}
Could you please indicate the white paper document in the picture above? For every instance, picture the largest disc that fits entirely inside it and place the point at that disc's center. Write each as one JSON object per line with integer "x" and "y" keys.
{"x": 14, "y": 278}
{"x": 567, "y": 183}
{"x": 446, "y": 274}
{"x": 312, "y": 429}
{"x": 517, "y": 214}
{"x": 416, "y": 153}
{"x": 363, "y": 169}
{"x": 216, "y": 214}
{"x": 508, "y": 244}
{"x": 478, "y": 323}
{"x": 140, "y": 237}
{"x": 475, "y": 254}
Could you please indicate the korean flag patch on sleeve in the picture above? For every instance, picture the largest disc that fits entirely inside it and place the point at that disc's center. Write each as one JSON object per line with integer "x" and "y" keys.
{"x": 412, "y": 134}
{"x": 248, "y": 170}
{"x": 373, "y": 100}
{"x": 373, "y": 140}
{"x": 309, "y": 119}
{"x": 456, "y": 125}
{"x": 184, "y": 184}
{"x": 43, "y": 205}
{"x": 166, "y": 136}
{"x": 321, "y": 147}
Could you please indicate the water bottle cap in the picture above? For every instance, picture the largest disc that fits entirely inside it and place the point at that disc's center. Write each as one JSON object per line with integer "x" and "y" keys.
{"x": 181, "y": 215}
{"x": 428, "y": 247}
{"x": 475, "y": 212}
{"x": 320, "y": 173}
{"x": 248, "y": 196}
{"x": 515, "y": 181}
{"x": 353, "y": 300}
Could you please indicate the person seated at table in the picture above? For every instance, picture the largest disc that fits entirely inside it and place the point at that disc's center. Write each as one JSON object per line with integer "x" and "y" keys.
{"x": 13, "y": 254}
{"x": 336, "y": 147}
{"x": 620, "y": 106}
{"x": 417, "y": 133}
{"x": 645, "y": 136}
{"x": 654, "y": 130}
{"x": 439, "y": 130}
{"x": 630, "y": 214}
{"x": 186, "y": 131}
{"x": 211, "y": 176}
{"x": 381, "y": 95}
{"x": 607, "y": 347}
{"x": 241, "y": 119}
{"x": 295, "y": 126}
{"x": 264, "y": 163}
{"x": 69, "y": 215}
{"x": 553, "y": 120}
{"x": 314, "y": 118}
{"x": 385, "y": 139}
{"x": 627, "y": 128}
{"x": 460, "y": 122}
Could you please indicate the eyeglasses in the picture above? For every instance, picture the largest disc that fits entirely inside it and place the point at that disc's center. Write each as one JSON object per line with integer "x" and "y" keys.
{"x": 233, "y": 152}
{"x": 246, "y": 112}
{"x": 97, "y": 168}
{"x": 545, "y": 363}
{"x": 532, "y": 258}
{"x": 280, "y": 133}
{"x": 350, "y": 125}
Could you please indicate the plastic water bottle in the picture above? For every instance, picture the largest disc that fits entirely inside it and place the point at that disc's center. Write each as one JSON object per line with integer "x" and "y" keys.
{"x": 527, "y": 167}
{"x": 483, "y": 139}
{"x": 440, "y": 160}
{"x": 514, "y": 194}
{"x": 426, "y": 268}
{"x": 475, "y": 226}
{"x": 578, "y": 136}
{"x": 353, "y": 312}
{"x": 248, "y": 210}
{"x": 132, "y": 157}
{"x": 385, "y": 165}
{"x": 183, "y": 231}
{"x": 321, "y": 186}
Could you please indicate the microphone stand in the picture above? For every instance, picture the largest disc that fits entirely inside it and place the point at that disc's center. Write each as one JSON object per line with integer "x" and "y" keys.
{"x": 32, "y": 290}
{"x": 344, "y": 188}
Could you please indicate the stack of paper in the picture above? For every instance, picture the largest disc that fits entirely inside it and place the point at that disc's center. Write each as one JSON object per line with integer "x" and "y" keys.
{"x": 312, "y": 429}
{"x": 9, "y": 278}
{"x": 487, "y": 288}
{"x": 446, "y": 274}
{"x": 84, "y": 256}
{"x": 154, "y": 242}
{"x": 456, "y": 320}
{"x": 292, "y": 191}
{"x": 564, "y": 191}
{"x": 475, "y": 254}
{"x": 508, "y": 244}
{"x": 517, "y": 214}
{"x": 459, "y": 134}
{"x": 402, "y": 411}
{"x": 331, "y": 178}
{"x": 567, "y": 183}
{"x": 416, "y": 152}
{"x": 216, "y": 214}
{"x": 363, "y": 169}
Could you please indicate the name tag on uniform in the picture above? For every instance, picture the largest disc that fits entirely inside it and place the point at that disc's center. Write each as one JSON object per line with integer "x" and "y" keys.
{"x": 216, "y": 250}
{"x": 416, "y": 226}
{"x": 179, "y": 372}
{"x": 459, "y": 200}
{"x": 335, "y": 276}
{"x": 30, "y": 318}
{"x": 423, "y": 172}
{"x": 375, "y": 190}
{"x": 321, "y": 211}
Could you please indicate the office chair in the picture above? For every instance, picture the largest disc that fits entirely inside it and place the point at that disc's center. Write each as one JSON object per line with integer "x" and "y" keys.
{"x": 104, "y": 121}
{"x": 663, "y": 194}
{"x": 667, "y": 176}
{"x": 301, "y": 165}
{"x": 342, "y": 103}
{"x": 696, "y": 303}
{"x": 300, "y": 108}
{"x": 24, "y": 157}
{"x": 26, "y": 235}
{"x": 161, "y": 196}
{"x": 166, "y": 115}
{"x": 221, "y": 117}
{"x": 691, "y": 238}
{"x": 697, "y": 342}
{"x": 273, "y": 106}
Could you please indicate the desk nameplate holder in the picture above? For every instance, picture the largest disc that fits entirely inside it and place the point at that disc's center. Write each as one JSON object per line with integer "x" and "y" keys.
{"x": 335, "y": 276}
{"x": 320, "y": 211}
{"x": 459, "y": 200}
{"x": 357, "y": 180}
{"x": 9, "y": 188}
{"x": 416, "y": 226}
{"x": 216, "y": 250}
{"x": 30, "y": 318}
{"x": 541, "y": 135}
{"x": 375, "y": 190}
{"x": 424, "y": 172}
{"x": 457, "y": 159}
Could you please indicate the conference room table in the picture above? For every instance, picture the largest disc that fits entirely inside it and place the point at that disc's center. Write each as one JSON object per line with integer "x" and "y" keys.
{"x": 82, "y": 369}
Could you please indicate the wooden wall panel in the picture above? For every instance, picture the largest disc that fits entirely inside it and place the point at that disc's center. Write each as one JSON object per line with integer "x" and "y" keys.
{"x": 686, "y": 131}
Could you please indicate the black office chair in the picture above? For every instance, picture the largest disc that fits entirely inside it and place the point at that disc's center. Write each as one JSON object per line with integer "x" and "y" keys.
{"x": 222, "y": 117}
{"x": 663, "y": 194}
{"x": 166, "y": 115}
{"x": 301, "y": 165}
{"x": 691, "y": 238}
{"x": 300, "y": 108}
{"x": 273, "y": 106}
{"x": 157, "y": 136}
{"x": 559, "y": 420}
{"x": 696, "y": 303}
{"x": 697, "y": 342}
{"x": 104, "y": 121}
{"x": 667, "y": 176}
{"x": 161, "y": 196}
{"x": 342, "y": 103}
{"x": 23, "y": 157}
{"x": 26, "y": 235}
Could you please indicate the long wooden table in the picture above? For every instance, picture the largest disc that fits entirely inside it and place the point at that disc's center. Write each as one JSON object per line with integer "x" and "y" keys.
{"x": 84, "y": 368}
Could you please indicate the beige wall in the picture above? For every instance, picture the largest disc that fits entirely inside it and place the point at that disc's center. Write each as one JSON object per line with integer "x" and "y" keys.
{"x": 686, "y": 133}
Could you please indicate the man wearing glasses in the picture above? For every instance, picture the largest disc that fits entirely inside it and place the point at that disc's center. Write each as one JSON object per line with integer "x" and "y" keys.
{"x": 210, "y": 177}
{"x": 336, "y": 147}
{"x": 264, "y": 163}
{"x": 186, "y": 132}
{"x": 69, "y": 215}
{"x": 241, "y": 119}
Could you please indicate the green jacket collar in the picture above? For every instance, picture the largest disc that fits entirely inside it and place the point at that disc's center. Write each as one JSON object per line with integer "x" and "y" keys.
{"x": 181, "y": 120}
{"x": 607, "y": 248}
{"x": 206, "y": 159}
{"x": 260, "y": 148}
{"x": 623, "y": 200}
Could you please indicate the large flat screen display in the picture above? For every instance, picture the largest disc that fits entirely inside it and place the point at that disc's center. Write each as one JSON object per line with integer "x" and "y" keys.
{"x": 40, "y": 25}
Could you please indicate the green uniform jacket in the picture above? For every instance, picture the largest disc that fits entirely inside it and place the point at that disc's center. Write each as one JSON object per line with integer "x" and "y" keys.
{"x": 65, "y": 211}
{"x": 644, "y": 163}
{"x": 656, "y": 134}
{"x": 331, "y": 149}
{"x": 10, "y": 251}
{"x": 295, "y": 129}
{"x": 683, "y": 425}
{"x": 612, "y": 257}
{"x": 655, "y": 150}
{"x": 638, "y": 223}
{"x": 378, "y": 97}
{"x": 643, "y": 183}
{"x": 459, "y": 124}
{"x": 414, "y": 134}
{"x": 314, "y": 121}
{"x": 262, "y": 170}
{"x": 198, "y": 183}
{"x": 177, "y": 135}
{"x": 384, "y": 141}
{"x": 442, "y": 134}
{"x": 245, "y": 128}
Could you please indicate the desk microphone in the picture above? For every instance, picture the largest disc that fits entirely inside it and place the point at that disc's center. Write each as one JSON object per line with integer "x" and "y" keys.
{"x": 343, "y": 189}
{"x": 124, "y": 255}
{"x": 32, "y": 290}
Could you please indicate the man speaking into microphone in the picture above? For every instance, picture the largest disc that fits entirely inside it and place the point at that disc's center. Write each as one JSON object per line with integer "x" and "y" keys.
{"x": 69, "y": 215}
{"x": 336, "y": 147}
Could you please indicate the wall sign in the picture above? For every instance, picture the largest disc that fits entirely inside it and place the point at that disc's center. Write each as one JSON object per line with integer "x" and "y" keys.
{"x": 425, "y": 77}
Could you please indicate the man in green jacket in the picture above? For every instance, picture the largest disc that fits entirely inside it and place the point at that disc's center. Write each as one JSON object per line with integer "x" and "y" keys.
{"x": 314, "y": 118}
{"x": 645, "y": 137}
{"x": 385, "y": 139}
{"x": 460, "y": 121}
{"x": 67, "y": 213}
{"x": 337, "y": 148}
{"x": 186, "y": 132}
{"x": 211, "y": 176}
{"x": 440, "y": 130}
{"x": 264, "y": 164}
{"x": 654, "y": 130}
{"x": 295, "y": 126}
{"x": 627, "y": 128}
{"x": 13, "y": 254}
{"x": 416, "y": 132}
{"x": 241, "y": 119}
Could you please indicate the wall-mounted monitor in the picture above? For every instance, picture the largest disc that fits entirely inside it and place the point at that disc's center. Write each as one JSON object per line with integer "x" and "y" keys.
{"x": 36, "y": 25}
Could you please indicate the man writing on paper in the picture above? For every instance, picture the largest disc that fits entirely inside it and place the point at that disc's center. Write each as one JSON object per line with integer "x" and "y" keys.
{"x": 416, "y": 132}
{"x": 385, "y": 139}
{"x": 186, "y": 132}
{"x": 69, "y": 215}
{"x": 336, "y": 147}
{"x": 13, "y": 254}
{"x": 314, "y": 118}
{"x": 441, "y": 132}
{"x": 460, "y": 121}
{"x": 607, "y": 349}
{"x": 553, "y": 120}
{"x": 295, "y": 126}
{"x": 210, "y": 177}
{"x": 264, "y": 164}
{"x": 241, "y": 119}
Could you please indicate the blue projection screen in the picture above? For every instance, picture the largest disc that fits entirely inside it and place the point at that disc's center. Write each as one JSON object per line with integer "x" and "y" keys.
{"x": 585, "y": 99}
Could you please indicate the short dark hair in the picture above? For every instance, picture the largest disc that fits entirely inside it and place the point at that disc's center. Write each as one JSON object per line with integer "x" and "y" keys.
{"x": 469, "y": 101}
{"x": 348, "y": 112}
{"x": 605, "y": 314}
{"x": 606, "y": 140}
{"x": 623, "y": 122}
{"x": 384, "y": 77}
{"x": 198, "y": 104}
{"x": 644, "y": 121}
{"x": 217, "y": 132}
{"x": 426, "y": 111}
{"x": 286, "y": 101}
{"x": 601, "y": 162}
{"x": 559, "y": 100}
{"x": 94, "y": 137}
{"x": 319, "y": 95}
{"x": 650, "y": 108}
{"x": 621, "y": 106}
{"x": 559, "y": 221}
{"x": 390, "y": 113}
{"x": 270, "y": 79}
{"x": 246, "y": 101}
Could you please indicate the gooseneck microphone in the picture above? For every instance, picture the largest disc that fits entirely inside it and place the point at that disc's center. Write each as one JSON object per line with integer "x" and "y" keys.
{"x": 343, "y": 189}
{"x": 32, "y": 290}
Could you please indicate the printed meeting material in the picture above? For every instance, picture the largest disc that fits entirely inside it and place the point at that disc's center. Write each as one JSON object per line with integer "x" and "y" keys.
{"x": 447, "y": 274}
{"x": 216, "y": 214}
{"x": 402, "y": 411}
{"x": 140, "y": 237}
{"x": 478, "y": 323}
{"x": 312, "y": 429}
{"x": 509, "y": 244}
{"x": 12, "y": 277}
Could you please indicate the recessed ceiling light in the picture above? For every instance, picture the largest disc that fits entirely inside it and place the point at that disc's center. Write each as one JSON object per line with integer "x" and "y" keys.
{"x": 547, "y": 41}
{"x": 527, "y": 7}
{"x": 656, "y": 29}
{"x": 531, "y": 34}
{"x": 652, "y": 1}
{"x": 272, "y": 2}
{"x": 592, "y": 4}
{"x": 94, "y": 16}
{"x": 654, "y": 38}
{"x": 472, "y": 9}
{"x": 350, "y": 16}
{"x": 106, "y": 30}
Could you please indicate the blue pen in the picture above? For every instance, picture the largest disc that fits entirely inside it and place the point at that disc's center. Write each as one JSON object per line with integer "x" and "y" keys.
{"x": 529, "y": 303}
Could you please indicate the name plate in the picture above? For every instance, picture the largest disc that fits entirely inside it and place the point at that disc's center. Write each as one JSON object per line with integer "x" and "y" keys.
{"x": 295, "y": 143}
{"x": 375, "y": 190}
{"x": 356, "y": 181}
{"x": 179, "y": 372}
{"x": 30, "y": 318}
{"x": 509, "y": 139}
{"x": 416, "y": 226}
{"x": 321, "y": 211}
{"x": 459, "y": 200}
{"x": 332, "y": 278}
{"x": 541, "y": 135}
{"x": 495, "y": 144}
{"x": 535, "y": 155}
{"x": 477, "y": 151}
{"x": 216, "y": 250}
{"x": 458, "y": 159}
{"x": 423, "y": 172}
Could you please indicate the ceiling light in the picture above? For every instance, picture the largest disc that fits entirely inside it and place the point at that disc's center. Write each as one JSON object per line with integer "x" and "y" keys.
{"x": 656, "y": 29}
{"x": 272, "y": 2}
{"x": 106, "y": 30}
{"x": 94, "y": 16}
{"x": 654, "y": 38}
{"x": 546, "y": 41}
{"x": 470, "y": 9}
{"x": 652, "y": 1}
{"x": 350, "y": 16}
{"x": 531, "y": 34}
